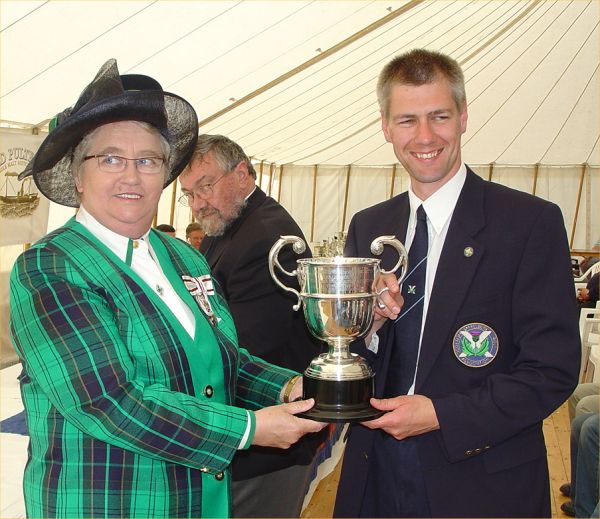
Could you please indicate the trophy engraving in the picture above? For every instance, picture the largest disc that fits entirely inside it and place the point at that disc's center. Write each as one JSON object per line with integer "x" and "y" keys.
{"x": 338, "y": 295}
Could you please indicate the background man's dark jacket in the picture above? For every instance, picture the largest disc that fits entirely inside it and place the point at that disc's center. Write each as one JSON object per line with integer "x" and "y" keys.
{"x": 266, "y": 323}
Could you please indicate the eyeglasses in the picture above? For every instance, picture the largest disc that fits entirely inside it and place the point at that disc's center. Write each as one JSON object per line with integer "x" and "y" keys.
{"x": 117, "y": 164}
{"x": 203, "y": 191}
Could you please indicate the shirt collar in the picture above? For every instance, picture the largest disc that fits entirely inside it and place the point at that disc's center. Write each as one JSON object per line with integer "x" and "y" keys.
{"x": 250, "y": 194}
{"x": 115, "y": 242}
{"x": 440, "y": 205}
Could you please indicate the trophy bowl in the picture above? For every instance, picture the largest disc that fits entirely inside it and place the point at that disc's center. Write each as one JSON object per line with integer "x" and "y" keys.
{"x": 338, "y": 295}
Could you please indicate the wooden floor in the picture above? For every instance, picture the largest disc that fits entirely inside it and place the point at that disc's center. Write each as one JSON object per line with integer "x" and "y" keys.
{"x": 556, "y": 431}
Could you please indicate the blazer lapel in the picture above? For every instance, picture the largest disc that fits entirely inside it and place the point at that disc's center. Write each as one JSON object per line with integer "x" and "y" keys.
{"x": 212, "y": 248}
{"x": 399, "y": 224}
{"x": 455, "y": 272}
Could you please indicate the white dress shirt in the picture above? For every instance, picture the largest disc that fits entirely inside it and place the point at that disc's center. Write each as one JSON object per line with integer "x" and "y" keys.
{"x": 439, "y": 208}
{"x": 143, "y": 263}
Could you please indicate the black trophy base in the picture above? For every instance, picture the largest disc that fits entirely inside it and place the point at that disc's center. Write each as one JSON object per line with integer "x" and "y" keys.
{"x": 340, "y": 400}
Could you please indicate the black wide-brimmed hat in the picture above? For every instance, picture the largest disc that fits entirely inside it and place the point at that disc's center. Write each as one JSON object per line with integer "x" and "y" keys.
{"x": 110, "y": 98}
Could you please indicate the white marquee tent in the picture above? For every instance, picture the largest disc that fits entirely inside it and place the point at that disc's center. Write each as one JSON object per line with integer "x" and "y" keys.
{"x": 293, "y": 83}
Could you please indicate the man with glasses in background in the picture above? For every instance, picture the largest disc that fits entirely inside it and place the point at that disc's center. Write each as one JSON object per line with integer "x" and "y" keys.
{"x": 241, "y": 224}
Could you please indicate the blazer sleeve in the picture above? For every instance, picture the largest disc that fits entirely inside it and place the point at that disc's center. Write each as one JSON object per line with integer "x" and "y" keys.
{"x": 67, "y": 337}
{"x": 259, "y": 382}
{"x": 546, "y": 345}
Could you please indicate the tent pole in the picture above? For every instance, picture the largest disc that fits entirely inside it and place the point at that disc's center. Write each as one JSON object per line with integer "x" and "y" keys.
{"x": 279, "y": 187}
{"x": 348, "y": 169}
{"x": 536, "y": 171}
{"x": 260, "y": 173}
{"x": 393, "y": 181}
{"x": 271, "y": 173}
{"x": 314, "y": 203}
{"x": 173, "y": 202}
{"x": 580, "y": 189}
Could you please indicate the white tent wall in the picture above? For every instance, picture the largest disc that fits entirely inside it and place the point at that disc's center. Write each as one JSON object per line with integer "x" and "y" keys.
{"x": 296, "y": 194}
{"x": 370, "y": 185}
{"x": 328, "y": 210}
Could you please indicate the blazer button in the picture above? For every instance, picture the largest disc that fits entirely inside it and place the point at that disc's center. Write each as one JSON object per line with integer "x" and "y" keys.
{"x": 478, "y": 451}
{"x": 208, "y": 391}
{"x": 487, "y": 448}
{"x": 468, "y": 452}
{"x": 219, "y": 476}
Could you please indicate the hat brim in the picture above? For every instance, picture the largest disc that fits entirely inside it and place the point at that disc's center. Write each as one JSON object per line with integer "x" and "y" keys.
{"x": 170, "y": 114}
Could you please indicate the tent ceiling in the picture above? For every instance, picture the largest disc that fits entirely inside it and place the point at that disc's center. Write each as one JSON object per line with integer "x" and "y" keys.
{"x": 294, "y": 81}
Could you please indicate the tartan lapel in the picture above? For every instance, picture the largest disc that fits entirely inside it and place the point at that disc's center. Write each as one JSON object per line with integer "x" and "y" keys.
{"x": 176, "y": 265}
{"x": 110, "y": 266}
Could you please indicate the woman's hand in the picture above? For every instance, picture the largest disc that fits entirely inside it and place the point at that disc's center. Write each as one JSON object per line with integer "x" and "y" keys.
{"x": 276, "y": 426}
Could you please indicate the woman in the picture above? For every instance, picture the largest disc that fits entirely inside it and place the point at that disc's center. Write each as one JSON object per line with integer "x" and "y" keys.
{"x": 136, "y": 393}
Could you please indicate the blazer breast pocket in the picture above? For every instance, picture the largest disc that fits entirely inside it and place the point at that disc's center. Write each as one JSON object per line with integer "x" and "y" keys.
{"x": 492, "y": 309}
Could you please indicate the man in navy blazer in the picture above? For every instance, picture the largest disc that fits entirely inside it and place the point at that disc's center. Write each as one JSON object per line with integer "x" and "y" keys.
{"x": 466, "y": 439}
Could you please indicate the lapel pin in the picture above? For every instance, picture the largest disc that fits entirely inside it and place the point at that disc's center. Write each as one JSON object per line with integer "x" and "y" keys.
{"x": 468, "y": 252}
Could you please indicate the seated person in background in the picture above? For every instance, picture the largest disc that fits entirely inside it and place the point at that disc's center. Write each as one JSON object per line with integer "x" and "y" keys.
{"x": 584, "y": 491}
{"x": 584, "y": 400}
{"x": 194, "y": 234}
{"x": 167, "y": 229}
{"x": 589, "y": 261}
{"x": 588, "y": 297}
{"x": 136, "y": 392}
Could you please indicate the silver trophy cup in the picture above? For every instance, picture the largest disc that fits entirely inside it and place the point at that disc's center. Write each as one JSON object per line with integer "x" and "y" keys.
{"x": 338, "y": 295}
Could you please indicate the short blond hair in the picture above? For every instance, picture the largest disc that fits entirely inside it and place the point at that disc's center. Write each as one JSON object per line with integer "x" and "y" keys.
{"x": 419, "y": 67}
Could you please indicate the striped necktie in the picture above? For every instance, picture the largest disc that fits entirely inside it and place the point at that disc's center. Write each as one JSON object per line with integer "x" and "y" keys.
{"x": 407, "y": 328}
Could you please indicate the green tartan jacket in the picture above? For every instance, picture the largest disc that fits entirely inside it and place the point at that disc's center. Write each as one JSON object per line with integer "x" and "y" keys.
{"x": 128, "y": 415}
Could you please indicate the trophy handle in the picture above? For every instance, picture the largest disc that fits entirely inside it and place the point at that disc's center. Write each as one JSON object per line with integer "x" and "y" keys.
{"x": 299, "y": 247}
{"x": 377, "y": 248}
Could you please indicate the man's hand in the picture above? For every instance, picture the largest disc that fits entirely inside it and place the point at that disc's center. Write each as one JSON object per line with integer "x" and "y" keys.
{"x": 408, "y": 415}
{"x": 276, "y": 426}
{"x": 389, "y": 301}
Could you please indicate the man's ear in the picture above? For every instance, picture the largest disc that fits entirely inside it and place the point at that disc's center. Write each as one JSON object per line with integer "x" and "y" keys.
{"x": 241, "y": 170}
{"x": 385, "y": 127}
{"x": 464, "y": 116}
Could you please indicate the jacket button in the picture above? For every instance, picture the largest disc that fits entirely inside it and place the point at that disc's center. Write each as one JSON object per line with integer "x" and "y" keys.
{"x": 208, "y": 391}
{"x": 468, "y": 452}
{"x": 478, "y": 451}
{"x": 486, "y": 448}
{"x": 219, "y": 476}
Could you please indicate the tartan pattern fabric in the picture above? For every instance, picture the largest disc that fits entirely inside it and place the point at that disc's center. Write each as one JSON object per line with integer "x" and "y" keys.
{"x": 113, "y": 385}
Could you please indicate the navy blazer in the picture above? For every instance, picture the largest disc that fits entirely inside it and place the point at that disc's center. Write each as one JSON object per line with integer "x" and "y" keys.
{"x": 488, "y": 459}
{"x": 266, "y": 324}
